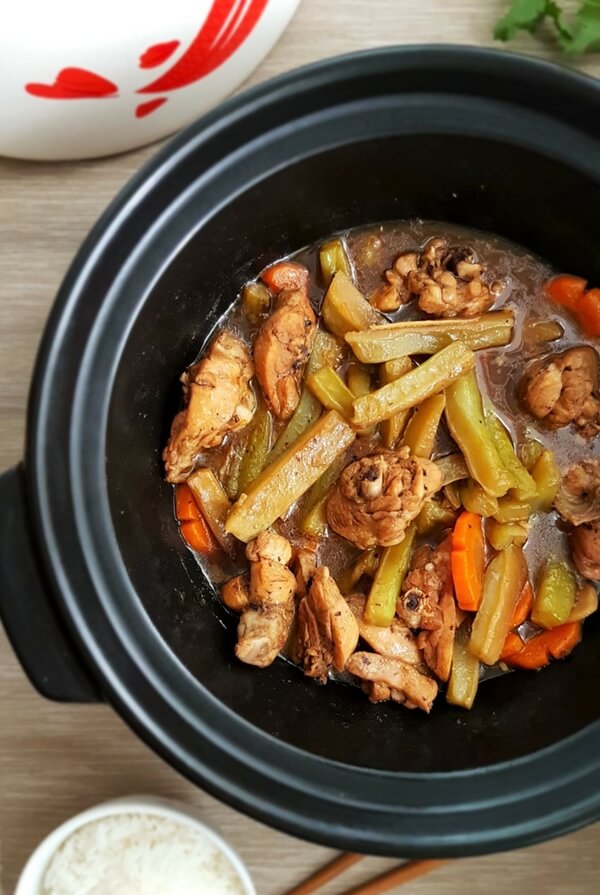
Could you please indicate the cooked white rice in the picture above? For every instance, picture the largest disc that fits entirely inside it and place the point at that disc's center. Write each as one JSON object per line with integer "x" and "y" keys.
{"x": 139, "y": 854}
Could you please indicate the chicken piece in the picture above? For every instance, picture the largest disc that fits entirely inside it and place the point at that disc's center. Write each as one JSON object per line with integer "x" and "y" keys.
{"x": 403, "y": 682}
{"x": 235, "y": 593}
{"x": 438, "y": 645}
{"x": 443, "y": 294}
{"x": 262, "y": 634}
{"x": 269, "y": 545}
{"x": 219, "y": 400}
{"x": 311, "y": 648}
{"x": 446, "y": 280}
{"x": 286, "y": 275}
{"x": 376, "y": 498}
{"x": 423, "y": 587}
{"x": 282, "y": 348}
{"x": 305, "y": 564}
{"x": 381, "y": 693}
{"x": 454, "y": 287}
{"x": 327, "y": 629}
{"x": 394, "y": 292}
{"x": 427, "y": 602}
{"x": 378, "y": 692}
{"x": 586, "y": 549}
{"x": 433, "y": 253}
{"x": 395, "y": 642}
{"x": 265, "y": 625}
{"x": 418, "y": 605}
{"x": 564, "y": 388}
{"x": 578, "y": 500}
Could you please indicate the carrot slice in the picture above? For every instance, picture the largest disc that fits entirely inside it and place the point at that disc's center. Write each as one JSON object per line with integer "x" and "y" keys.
{"x": 198, "y": 536}
{"x": 570, "y": 292}
{"x": 523, "y": 607}
{"x": 554, "y": 644}
{"x": 285, "y": 275}
{"x": 192, "y": 525}
{"x": 587, "y": 312}
{"x": 512, "y": 645}
{"x": 468, "y": 560}
{"x": 565, "y": 290}
{"x": 563, "y": 639}
{"x": 533, "y": 655}
{"x": 186, "y": 508}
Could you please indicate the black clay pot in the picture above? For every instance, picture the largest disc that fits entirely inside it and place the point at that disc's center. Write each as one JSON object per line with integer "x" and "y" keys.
{"x": 98, "y": 593}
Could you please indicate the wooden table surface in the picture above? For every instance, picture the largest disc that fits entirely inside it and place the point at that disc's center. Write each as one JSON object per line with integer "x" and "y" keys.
{"x": 57, "y": 759}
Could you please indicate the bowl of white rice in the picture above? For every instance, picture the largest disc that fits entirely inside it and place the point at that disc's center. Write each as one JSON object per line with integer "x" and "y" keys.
{"x": 138, "y": 845}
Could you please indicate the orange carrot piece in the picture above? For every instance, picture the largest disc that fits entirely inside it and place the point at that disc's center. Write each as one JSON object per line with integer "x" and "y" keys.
{"x": 563, "y": 639}
{"x": 554, "y": 644}
{"x": 523, "y": 607}
{"x": 285, "y": 275}
{"x": 461, "y": 531}
{"x": 533, "y": 655}
{"x": 192, "y": 524}
{"x": 186, "y": 508}
{"x": 570, "y": 292}
{"x": 468, "y": 560}
{"x": 465, "y": 588}
{"x": 512, "y": 645}
{"x": 198, "y": 536}
{"x": 565, "y": 290}
{"x": 587, "y": 312}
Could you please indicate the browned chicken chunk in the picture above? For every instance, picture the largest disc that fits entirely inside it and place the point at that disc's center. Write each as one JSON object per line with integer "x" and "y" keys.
{"x": 394, "y": 292}
{"x": 282, "y": 348}
{"x": 564, "y": 388}
{"x": 288, "y": 275}
{"x": 578, "y": 500}
{"x": 269, "y": 545}
{"x": 422, "y": 588}
{"x": 305, "y": 564}
{"x": 378, "y": 692}
{"x": 400, "y": 680}
{"x": 265, "y": 624}
{"x": 438, "y": 645}
{"x": 444, "y": 295}
{"x": 377, "y": 497}
{"x": 447, "y": 280}
{"x": 235, "y": 593}
{"x": 586, "y": 549}
{"x": 395, "y": 642}
{"x": 427, "y": 602}
{"x": 219, "y": 400}
{"x": 327, "y": 629}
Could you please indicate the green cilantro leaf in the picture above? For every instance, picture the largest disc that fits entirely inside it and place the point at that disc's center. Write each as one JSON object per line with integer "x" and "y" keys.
{"x": 586, "y": 31}
{"x": 526, "y": 15}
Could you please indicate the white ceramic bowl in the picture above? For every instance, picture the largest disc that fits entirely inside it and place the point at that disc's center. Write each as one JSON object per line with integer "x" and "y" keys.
{"x": 30, "y": 881}
{"x": 81, "y": 80}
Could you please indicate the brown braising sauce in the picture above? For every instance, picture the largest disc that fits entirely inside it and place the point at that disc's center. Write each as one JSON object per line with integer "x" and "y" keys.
{"x": 372, "y": 250}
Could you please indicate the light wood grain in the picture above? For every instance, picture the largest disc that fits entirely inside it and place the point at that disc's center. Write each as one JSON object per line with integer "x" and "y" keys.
{"x": 55, "y": 760}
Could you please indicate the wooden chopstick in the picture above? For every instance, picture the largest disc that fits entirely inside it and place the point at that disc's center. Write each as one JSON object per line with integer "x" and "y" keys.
{"x": 396, "y": 877}
{"x": 329, "y": 872}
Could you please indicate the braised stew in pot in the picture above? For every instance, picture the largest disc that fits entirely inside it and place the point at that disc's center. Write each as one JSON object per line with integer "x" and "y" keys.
{"x": 386, "y": 461}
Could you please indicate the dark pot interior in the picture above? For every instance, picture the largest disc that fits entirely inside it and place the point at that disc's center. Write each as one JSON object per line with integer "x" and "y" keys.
{"x": 488, "y": 182}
